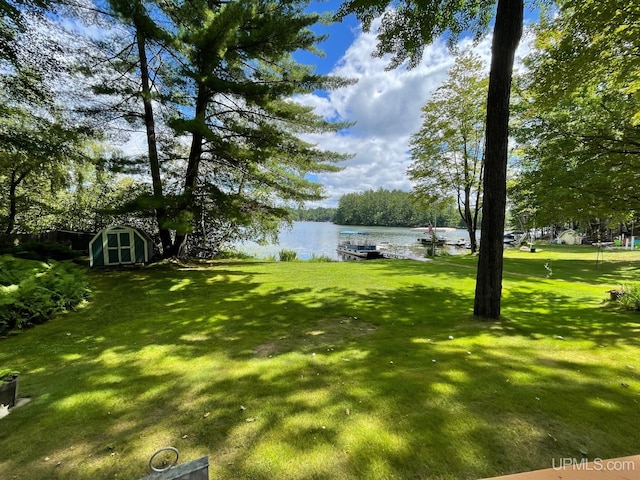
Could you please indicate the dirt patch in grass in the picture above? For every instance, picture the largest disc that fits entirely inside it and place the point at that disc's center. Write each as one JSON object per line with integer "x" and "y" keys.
{"x": 267, "y": 349}
{"x": 326, "y": 333}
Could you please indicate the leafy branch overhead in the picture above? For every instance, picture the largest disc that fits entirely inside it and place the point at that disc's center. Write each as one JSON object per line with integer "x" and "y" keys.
{"x": 408, "y": 27}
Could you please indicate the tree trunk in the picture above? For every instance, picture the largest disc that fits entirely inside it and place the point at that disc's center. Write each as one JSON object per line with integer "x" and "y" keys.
{"x": 13, "y": 204}
{"x": 154, "y": 162}
{"x": 506, "y": 36}
{"x": 16, "y": 179}
{"x": 476, "y": 212}
{"x": 469, "y": 219}
{"x": 193, "y": 166}
{"x": 473, "y": 242}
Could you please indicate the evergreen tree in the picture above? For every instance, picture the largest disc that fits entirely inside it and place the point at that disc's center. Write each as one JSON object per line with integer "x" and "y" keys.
{"x": 227, "y": 84}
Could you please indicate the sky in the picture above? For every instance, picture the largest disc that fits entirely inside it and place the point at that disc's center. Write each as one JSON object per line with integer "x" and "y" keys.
{"x": 386, "y": 105}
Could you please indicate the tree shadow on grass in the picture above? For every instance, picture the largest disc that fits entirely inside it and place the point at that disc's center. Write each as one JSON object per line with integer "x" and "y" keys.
{"x": 597, "y": 271}
{"x": 549, "y": 313}
{"x": 316, "y": 381}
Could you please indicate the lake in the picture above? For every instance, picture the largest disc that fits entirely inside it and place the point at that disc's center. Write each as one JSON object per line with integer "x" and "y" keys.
{"x": 310, "y": 239}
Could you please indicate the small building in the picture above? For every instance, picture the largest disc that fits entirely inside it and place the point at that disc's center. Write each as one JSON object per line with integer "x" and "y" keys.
{"x": 120, "y": 245}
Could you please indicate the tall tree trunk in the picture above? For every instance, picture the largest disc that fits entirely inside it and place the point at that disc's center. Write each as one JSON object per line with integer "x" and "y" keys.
{"x": 193, "y": 165}
{"x": 154, "y": 162}
{"x": 506, "y": 37}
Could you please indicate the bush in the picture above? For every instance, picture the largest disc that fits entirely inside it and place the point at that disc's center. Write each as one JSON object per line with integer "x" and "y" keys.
{"x": 232, "y": 254}
{"x": 630, "y": 298}
{"x": 32, "y": 292}
{"x": 319, "y": 259}
{"x": 287, "y": 255}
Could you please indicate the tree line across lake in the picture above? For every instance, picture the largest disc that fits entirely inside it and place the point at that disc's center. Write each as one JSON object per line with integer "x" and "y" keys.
{"x": 389, "y": 208}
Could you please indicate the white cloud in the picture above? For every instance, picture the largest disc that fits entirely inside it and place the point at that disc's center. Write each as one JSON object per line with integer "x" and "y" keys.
{"x": 386, "y": 106}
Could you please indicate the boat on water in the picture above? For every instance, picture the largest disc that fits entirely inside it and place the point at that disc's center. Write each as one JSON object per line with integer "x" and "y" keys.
{"x": 430, "y": 235}
{"x": 458, "y": 242}
{"x": 429, "y": 239}
{"x": 357, "y": 244}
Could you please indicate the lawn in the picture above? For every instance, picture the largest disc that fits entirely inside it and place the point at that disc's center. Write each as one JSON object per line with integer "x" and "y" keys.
{"x": 302, "y": 370}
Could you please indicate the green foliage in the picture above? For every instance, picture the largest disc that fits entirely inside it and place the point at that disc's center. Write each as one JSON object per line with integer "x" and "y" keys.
{"x": 320, "y": 258}
{"x": 228, "y": 253}
{"x": 577, "y": 116}
{"x": 589, "y": 42}
{"x": 40, "y": 137}
{"x": 318, "y": 214}
{"x": 448, "y": 150}
{"x": 98, "y": 199}
{"x": 630, "y": 298}
{"x": 407, "y": 28}
{"x": 574, "y": 164}
{"x": 286, "y": 255}
{"x": 32, "y": 292}
{"x": 224, "y": 79}
{"x": 35, "y": 158}
{"x": 6, "y": 374}
{"x": 394, "y": 208}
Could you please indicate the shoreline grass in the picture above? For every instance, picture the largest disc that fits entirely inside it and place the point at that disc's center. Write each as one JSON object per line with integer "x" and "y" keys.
{"x": 332, "y": 370}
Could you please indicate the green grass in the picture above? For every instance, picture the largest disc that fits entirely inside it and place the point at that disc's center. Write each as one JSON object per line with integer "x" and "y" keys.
{"x": 325, "y": 370}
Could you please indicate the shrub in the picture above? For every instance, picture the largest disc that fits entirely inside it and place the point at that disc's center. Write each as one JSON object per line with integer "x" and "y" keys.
{"x": 287, "y": 255}
{"x": 232, "y": 254}
{"x": 32, "y": 292}
{"x": 321, "y": 258}
{"x": 630, "y": 298}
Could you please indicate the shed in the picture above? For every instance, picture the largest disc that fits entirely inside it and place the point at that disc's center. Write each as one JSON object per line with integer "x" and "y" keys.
{"x": 120, "y": 245}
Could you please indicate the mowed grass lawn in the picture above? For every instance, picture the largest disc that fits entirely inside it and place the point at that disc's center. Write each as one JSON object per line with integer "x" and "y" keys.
{"x": 300, "y": 370}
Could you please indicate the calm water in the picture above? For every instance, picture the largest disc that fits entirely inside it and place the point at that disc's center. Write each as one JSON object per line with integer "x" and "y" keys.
{"x": 321, "y": 239}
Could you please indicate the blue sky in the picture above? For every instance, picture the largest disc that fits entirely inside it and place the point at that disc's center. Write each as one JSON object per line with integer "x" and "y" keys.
{"x": 340, "y": 36}
{"x": 384, "y": 104}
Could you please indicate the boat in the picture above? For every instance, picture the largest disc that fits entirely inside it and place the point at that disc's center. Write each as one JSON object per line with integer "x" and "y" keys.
{"x": 514, "y": 238}
{"x": 430, "y": 235}
{"x": 458, "y": 242}
{"x": 430, "y": 229}
{"x": 384, "y": 246}
{"x": 357, "y": 244}
{"x": 429, "y": 239}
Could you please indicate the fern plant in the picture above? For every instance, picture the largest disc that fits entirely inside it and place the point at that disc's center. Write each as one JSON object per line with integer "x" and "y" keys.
{"x": 32, "y": 292}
